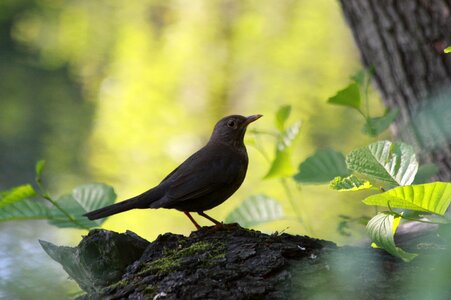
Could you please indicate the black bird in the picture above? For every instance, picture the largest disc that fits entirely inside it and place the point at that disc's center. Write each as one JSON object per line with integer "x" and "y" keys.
{"x": 203, "y": 181}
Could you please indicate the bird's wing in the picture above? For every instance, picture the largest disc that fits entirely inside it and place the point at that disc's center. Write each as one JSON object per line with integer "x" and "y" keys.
{"x": 201, "y": 174}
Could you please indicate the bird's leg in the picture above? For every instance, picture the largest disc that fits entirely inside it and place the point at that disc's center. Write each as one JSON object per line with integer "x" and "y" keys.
{"x": 192, "y": 220}
{"x": 201, "y": 213}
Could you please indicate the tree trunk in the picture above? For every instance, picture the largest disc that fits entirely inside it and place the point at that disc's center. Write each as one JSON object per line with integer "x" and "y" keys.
{"x": 404, "y": 41}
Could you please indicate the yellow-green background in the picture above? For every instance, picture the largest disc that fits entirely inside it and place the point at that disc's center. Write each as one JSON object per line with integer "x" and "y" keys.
{"x": 121, "y": 92}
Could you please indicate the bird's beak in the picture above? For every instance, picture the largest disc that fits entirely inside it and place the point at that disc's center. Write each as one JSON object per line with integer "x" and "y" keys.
{"x": 251, "y": 119}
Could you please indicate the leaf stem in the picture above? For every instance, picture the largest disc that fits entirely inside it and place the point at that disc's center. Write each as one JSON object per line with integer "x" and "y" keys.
{"x": 286, "y": 188}
{"x": 293, "y": 203}
{"x": 412, "y": 219}
{"x": 299, "y": 216}
{"x": 365, "y": 95}
{"x": 367, "y": 102}
{"x": 417, "y": 220}
{"x": 44, "y": 194}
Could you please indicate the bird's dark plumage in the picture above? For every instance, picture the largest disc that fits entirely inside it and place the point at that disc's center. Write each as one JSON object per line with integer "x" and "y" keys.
{"x": 205, "y": 180}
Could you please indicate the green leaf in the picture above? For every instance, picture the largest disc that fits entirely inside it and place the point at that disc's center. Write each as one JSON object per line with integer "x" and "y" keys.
{"x": 281, "y": 165}
{"x": 447, "y": 49}
{"x": 425, "y": 172}
{"x": 288, "y": 136}
{"x": 349, "y": 96}
{"x": 432, "y": 197}
{"x": 82, "y": 200}
{"x": 16, "y": 194}
{"x": 392, "y": 163}
{"x": 256, "y": 210}
{"x": 323, "y": 166}
{"x": 343, "y": 227}
{"x": 381, "y": 229}
{"x": 359, "y": 77}
{"x": 16, "y": 205}
{"x": 94, "y": 196}
{"x": 39, "y": 168}
{"x": 363, "y": 76}
{"x": 350, "y": 183}
{"x": 25, "y": 209}
{"x": 74, "y": 209}
{"x": 375, "y": 126}
{"x": 282, "y": 116}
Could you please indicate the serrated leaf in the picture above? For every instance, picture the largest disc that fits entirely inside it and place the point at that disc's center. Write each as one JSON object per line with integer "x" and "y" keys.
{"x": 349, "y": 96}
{"x": 375, "y": 126}
{"x": 25, "y": 209}
{"x": 281, "y": 166}
{"x": 94, "y": 196}
{"x": 288, "y": 136}
{"x": 322, "y": 167}
{"x": 74, "y": 209}
{"x": 350, "y": 183}
{"x": 393, "y": 163}
{"x": 447, "y": 49}
{"x": 432, "y": 197}
{"x": 82, "y": 200}
{"x": 282, "y": 115}
{"x": 16, "y": 194}
{"x": 39, "y": 168}
{"x": 381, "y": 229}
{"x": 425, "y": 172}
{"x": 256, "y": 210}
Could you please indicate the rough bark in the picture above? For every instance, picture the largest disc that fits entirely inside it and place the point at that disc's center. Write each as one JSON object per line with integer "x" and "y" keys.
{"x": 236, "y": 263}
{"x": 404, "y": 40}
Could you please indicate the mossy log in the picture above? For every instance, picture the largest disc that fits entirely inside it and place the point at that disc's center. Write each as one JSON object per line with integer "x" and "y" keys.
{"x": 237, "y": 263}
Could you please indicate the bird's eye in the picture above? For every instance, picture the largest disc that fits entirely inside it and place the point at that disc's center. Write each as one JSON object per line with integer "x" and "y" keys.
{"x": 231, "y": 123}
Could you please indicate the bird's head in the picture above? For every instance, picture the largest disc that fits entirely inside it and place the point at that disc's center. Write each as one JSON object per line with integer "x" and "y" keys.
{"x": 231, "y": 129}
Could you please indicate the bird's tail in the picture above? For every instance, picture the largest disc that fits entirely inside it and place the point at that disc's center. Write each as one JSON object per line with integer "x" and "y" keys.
{"x": 140, "y": 201}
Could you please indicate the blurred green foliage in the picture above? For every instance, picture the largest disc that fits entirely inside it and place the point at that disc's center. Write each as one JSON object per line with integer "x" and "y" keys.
{"x": 122, "y": 92}
{"x": 152, "y": 78}
{"x": 42, "y": 112}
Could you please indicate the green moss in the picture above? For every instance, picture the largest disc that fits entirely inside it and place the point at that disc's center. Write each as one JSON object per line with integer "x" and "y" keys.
{"x": 119, "y": 284}
{"x": 150, "y": 291}
{"x": 173, "y": 257}
{"x": 161, "y": 265}
{"x": 214, "y": 256}
{"x": 194, "y": 248}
